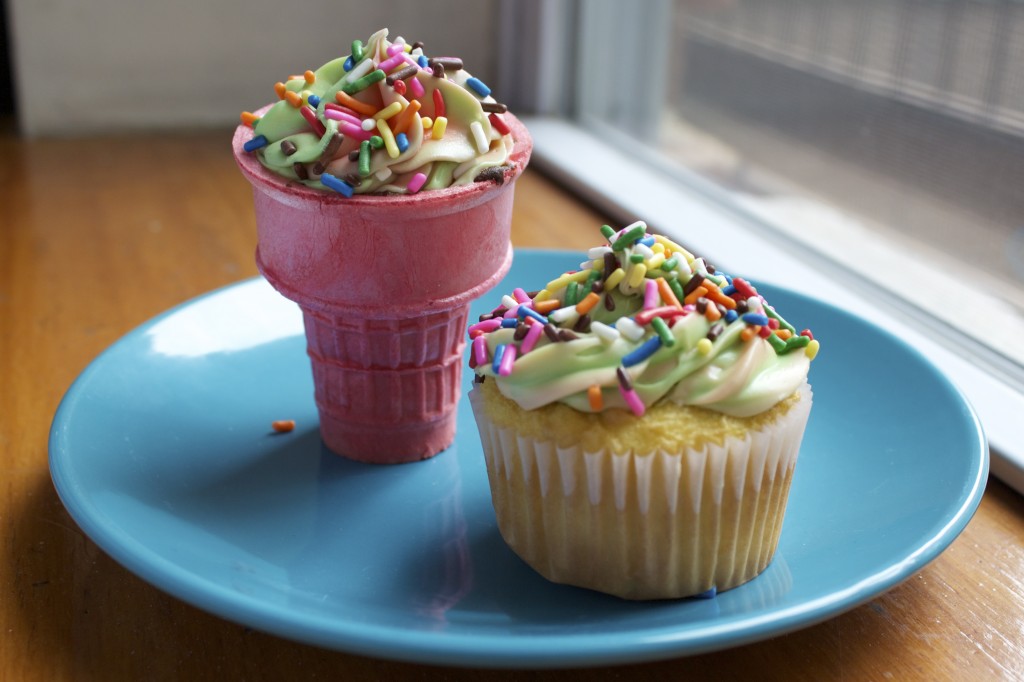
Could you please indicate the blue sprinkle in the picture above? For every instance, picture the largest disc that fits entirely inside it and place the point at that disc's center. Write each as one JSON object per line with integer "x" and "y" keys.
{"x": 729, "y": 290}
{"x": 524, "y": 311}
{"x": 647, "y": 241}
{"x": 314, "y": 101}
{"x": 642, "y": 352}
{"x": 256, "y": 143}
{"x": 509, "y": 322}
{"x": 727, "y": 278}
{"x": 423, "y": 61}
{"x": 499, "y": 353}
{"x": 755, "y": 318}
{"x": 710, "y": 594}
{"x": 348, "y": 64}
{"x": 339, "y": 186}
{"x": 730, "y": 315}
{"x": 477, "y": 86}
{"x": 402, "y": 141}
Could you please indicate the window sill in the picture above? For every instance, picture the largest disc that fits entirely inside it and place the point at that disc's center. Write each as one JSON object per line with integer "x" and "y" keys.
{"x": 621, "y": 185}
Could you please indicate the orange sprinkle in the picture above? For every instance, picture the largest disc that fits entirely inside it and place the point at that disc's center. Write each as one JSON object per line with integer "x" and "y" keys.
{"x": 588, "y": 303}
{"x": 783, "y": 333}
{"x": 695, "y": 294}
{"x": 283, "y": 425}
{"x": 309, "y": 76}
{"x": 280, "y": 89}
{"x": 667, "y": 295}
{"x": 401, "y": 123}
{"x": 545, "y": 307}
{"x": 248, "y": 118}
{"x": 293, "y": 98}
{"x": 712, "y": 312}
{"x": 715, "y": 294}
{"x": 594, "y": 396}
{"x": 354, "y": 104}
{"x": 749, "y": 333}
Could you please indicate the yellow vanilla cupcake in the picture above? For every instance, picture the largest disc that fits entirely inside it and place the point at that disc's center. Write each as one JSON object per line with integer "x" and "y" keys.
{"x": 641, "y": 419}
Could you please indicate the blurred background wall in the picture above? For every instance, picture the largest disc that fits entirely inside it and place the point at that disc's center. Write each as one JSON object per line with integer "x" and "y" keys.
{"x": 85, "y": 66}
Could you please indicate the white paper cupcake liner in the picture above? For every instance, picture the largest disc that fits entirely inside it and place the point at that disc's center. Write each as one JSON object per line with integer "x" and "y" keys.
{"x": 650, "y": 525}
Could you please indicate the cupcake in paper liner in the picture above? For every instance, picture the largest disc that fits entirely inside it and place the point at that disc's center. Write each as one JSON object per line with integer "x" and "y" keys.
{"x": 641, "y": 419}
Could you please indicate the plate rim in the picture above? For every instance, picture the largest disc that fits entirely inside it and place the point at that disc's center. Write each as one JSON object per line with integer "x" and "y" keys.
{"x": 539, "y": 650}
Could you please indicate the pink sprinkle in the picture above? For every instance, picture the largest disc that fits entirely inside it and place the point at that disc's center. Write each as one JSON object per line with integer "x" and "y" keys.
{"x": 415, "y": 87}
{"x": 336, "y": 115}
{"x": 520, "y": 295}
{"x": 480, "y": 350}
{"x": 651, "y": 298}
{"x": 484, "y": 327}
{"x": 354, "y": 131}
{"x": 689, "y": 308}
{"x": 530, "y": 340}
{"x": 511, "y": 312}
{"x": 507, "y": 358}
{"x": 416, "y": 183}
{"x": 395, "y": 48}
{"x": 632, "y": 399}
{"x": 390, "y": 63}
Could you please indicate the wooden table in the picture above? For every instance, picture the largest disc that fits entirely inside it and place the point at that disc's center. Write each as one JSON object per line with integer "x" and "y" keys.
{"x": 99, "y": 235}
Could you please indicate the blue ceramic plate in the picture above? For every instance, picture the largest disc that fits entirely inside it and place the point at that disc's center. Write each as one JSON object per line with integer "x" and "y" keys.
{"x": 162, "y": 452}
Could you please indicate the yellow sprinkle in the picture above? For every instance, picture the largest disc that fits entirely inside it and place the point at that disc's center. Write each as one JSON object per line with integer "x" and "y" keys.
{"x": 440, "y": 124}
{"x": 542, "y": 296}
{"x": 704, "y": 346}
{"x": 581, "y": 276}
{"x": 613, "y": 279}
{"x": 655, "y": 262}
{"x": 811, "y": 349}
{"x": 669, "y": 244}
{"x": 427, "y": 122}
{"x": 597, "y": 264}
{"x": 389, "y": 138}
{"x": 305, "y": 96}
{"x": 388, "y": 111}
{"x": 658, "y": 248}
{"x": 558, "y": 283}
{"x": 636, "y": 275}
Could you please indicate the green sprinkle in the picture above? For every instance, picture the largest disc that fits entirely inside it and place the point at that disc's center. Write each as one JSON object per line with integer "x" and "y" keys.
{"x": 677, "y": 289}
{"x": 636, "y": 258}
{"x": 664, "y": 333}
{"x": 357, "y": 51}
{"x": 670, "y": 263}
{"x": 572, "y": 294}
{"x": 364, "y": 158}
{"x": 377, "y": 142}
{"x": 607, "y": 231}
{"x": 795, "y": 342}
{"x": 591, "y": 278}
{"x": 362, "y": 83}
{"x": 778, "y": 344}
{"x": 629, "y": 237}
{"x": 782, "y": 323}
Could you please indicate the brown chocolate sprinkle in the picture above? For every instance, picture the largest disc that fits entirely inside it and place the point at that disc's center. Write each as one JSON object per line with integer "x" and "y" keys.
{"x": 742, "y": 308}
{"x": 597, "y": 287}
{"x": 401, "y": 74}
{"x": 301, "y": 171}
{"x": 452, "y": 63}
{"x": 437, "y": 70}
{"x": 566, "y": 335}
{"x": 353, "y": 179}
{"x": 716, "y": 330}
{"x": 520, "y": 333}
{"x": 495, "y": 173}
{"x": 353, "y": 155}
{"x": 610, "y": 263}
{"x": 486, "y": 316}
{"x": 702, "y": 305}
{"x": 288, "y": 147}
{"x": 582, "y": 324}
{"x": 623, "y": 377}
{"x": 418, "y": 45}
{"x": 499, "y": 311}
{"x": 710, "y": 268}
{"x": 609, "y": 301}
{"x": 494, "y": 107}
{"x": 332, "y": 148}
{"x": 692, "y": 285}
{"x": 479, "y": 378}
{"x": 551, "y": 331}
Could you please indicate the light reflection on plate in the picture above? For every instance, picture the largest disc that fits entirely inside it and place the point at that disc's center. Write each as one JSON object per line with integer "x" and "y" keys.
{"x": 162, "y": 452}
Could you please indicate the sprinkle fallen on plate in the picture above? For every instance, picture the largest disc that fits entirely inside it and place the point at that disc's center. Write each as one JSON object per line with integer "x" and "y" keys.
{"x": 283, "y": 425}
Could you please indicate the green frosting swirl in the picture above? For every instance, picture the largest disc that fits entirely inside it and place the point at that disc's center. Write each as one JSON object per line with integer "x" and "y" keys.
{"x": 722, "y": 364}
{"x": 295, "y": 150}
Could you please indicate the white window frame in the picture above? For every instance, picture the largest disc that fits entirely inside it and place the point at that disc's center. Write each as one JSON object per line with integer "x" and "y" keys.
{"x": 579, "y": 151}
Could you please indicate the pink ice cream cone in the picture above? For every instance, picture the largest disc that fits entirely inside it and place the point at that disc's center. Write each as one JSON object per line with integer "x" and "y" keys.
{"x": 384, "y": 283}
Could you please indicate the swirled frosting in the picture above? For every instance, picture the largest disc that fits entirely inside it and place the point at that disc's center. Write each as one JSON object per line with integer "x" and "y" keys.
{"x": 385, "y": 118}
{"x": 642, "y": 320}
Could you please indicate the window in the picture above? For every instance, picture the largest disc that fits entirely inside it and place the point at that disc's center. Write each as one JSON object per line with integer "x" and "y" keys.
{"x": 878, "y": 143}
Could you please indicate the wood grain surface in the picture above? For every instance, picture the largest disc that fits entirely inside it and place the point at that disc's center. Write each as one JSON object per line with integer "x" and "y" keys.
{"x": 99, "y": 235}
